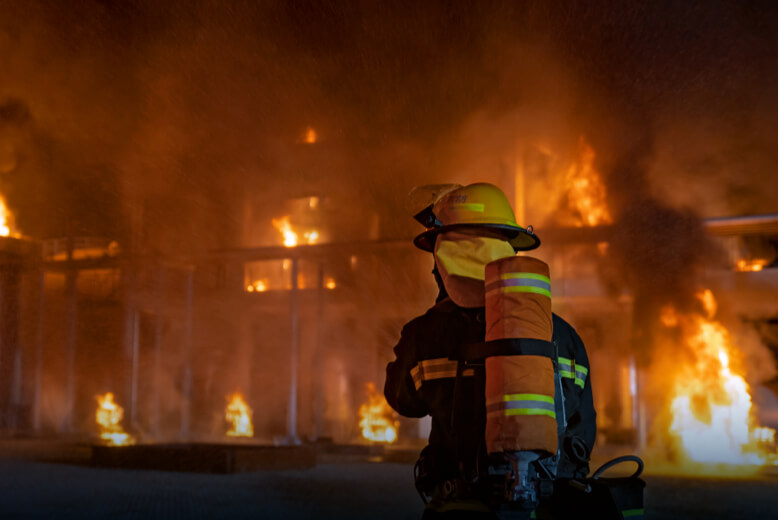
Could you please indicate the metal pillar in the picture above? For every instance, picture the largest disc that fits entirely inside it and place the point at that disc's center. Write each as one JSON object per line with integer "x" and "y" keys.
{"x": 9, "y": 341}
{"x": 71, "y": 304}
{"x": 318, "y": 360}
{"x": 156, "y": 377}
{"x": 38, "y": 385}
{"x": 186, "y": 403}
{"x": 294, "y": 361}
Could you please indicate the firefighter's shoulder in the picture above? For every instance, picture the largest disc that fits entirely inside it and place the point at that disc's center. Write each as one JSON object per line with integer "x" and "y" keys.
{"x": 563, "y": 331}
{"x": 436, "y": 317}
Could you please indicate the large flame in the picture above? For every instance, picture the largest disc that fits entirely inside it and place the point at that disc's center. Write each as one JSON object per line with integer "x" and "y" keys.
{"x": 377, "y": 418}
{"x": 713, "y": 420}
{"x": 109, "y": 417}
{"x": 5, "y": 219}
{"x": 586, "y": 191}
{"x": 239, "y": 415}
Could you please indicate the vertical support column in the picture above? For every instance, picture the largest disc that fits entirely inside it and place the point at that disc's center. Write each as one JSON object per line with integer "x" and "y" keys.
{"x": 294, "y": 340}
{"x": 318, "y": 359}
{"x": 158, "y": 325}
{"x": 9, "y": 340}
{"x": 131, "y": 339}
{"x": 134, "y": 363}
{"x": 71, "y": 306}
{"x": 39, "y": 335}
{"x": 186, "y": 384}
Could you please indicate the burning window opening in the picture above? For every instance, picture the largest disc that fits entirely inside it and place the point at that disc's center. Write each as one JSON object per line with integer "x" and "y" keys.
{"x": 291, "y": 238}
{"x": 109, "y": 417}
{"x": 586, "y": 192}
{"x": 753, "y": 265}
{"x": 713, "y": 419}
{"x": 239, "y": 414}
{"x": 377, "y": 419}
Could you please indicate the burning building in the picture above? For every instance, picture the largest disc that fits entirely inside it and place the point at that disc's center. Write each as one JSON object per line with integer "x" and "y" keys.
{"x": 260, "y": 245}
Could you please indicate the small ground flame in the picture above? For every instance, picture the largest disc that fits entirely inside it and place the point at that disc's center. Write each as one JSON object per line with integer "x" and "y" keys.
{"x": 239, "y": 415}
{"x": 377, "y": 418}
{"x": 713, "y": 419}
{"x": 109, "y": 417}
{"x": 586, "y": 191}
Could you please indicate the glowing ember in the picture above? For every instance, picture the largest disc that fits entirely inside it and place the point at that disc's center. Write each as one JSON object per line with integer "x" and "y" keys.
{"x": 587, "y": 194}
{"x": 310, "y": 136}
{"x": 109, "y": 417}
{"x": 751, "y": 265}
{"x": 291, "y": 237}
{"x": 5, "y": 217}
{"x": 377, "y": 418}
{"x": 330, "y": 283}
{"x": 239, "y": 415}
{"x": 713, "y": 418}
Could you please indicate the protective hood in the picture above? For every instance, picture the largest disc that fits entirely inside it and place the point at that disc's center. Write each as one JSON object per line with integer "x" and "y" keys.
{"x": 461, "y": 260}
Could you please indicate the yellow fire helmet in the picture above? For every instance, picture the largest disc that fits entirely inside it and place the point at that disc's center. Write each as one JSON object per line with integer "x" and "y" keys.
{"x": 481, "y": 209}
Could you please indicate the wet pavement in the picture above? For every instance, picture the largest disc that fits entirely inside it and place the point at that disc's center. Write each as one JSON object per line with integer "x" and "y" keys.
{"x": 344, "y": 489}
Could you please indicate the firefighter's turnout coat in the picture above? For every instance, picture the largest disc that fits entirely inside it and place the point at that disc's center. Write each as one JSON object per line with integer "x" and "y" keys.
{"x": 422, "y": 380}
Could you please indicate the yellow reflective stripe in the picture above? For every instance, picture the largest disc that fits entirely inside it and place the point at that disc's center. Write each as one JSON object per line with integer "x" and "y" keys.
{"x": 576, "y": 372}
{"x": 531, "y": 276}
{"x": 439, "y": 368}
{"x": 528, "y": 397}
{"x": 469, "y": 206}
{"x": 535, "y": 290}
{"x": 530, "y": 411}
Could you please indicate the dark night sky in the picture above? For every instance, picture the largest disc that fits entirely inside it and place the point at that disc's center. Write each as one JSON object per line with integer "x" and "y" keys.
{"x": 187, "y": 106}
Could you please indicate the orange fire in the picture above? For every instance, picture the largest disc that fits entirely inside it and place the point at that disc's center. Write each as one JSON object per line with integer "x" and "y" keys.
{"x": 754, "y": 265}
{"x": 586, "y": 191}
{"x": 713, "y": 421}
{"x": 258, "y": 286}
{"x": 290, "y": 236}
{"x": 239, "y": 415}
{"x": 377, "y": 419}
{"x": 5, "y": 219}
{"x": 310, "y": 136}
{"x": 109, "y": 417}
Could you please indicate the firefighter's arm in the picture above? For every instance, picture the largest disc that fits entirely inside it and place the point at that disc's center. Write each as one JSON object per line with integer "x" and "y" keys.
{"x": 583, "y": 422}
{"x": 399, "y": 389}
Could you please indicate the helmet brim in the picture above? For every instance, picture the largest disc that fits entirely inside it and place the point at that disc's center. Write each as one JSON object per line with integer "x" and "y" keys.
{"x": 519, "y": 238}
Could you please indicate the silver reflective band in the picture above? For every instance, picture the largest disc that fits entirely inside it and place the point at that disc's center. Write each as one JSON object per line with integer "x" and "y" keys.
{"x": 521, "y": 404}
{"x": 569, "y": 369}
{"x": 520, "y": 282}
{"x": 439, "y": 368}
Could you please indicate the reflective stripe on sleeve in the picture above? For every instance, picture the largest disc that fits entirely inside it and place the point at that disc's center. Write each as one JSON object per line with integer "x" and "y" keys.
{"x": 633, "y": 514}
{"x": 521, "y": 282}
{"x": 439, "y": 368}
{"x": 569, "y": 369}
{"x": 521, "y": 404}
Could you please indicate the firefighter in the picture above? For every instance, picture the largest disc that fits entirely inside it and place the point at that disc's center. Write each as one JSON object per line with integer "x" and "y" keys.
{"x": 467, "y": 228}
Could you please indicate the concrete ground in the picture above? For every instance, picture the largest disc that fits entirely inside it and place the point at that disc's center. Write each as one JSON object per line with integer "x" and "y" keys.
{"x": 345, "y": 488}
